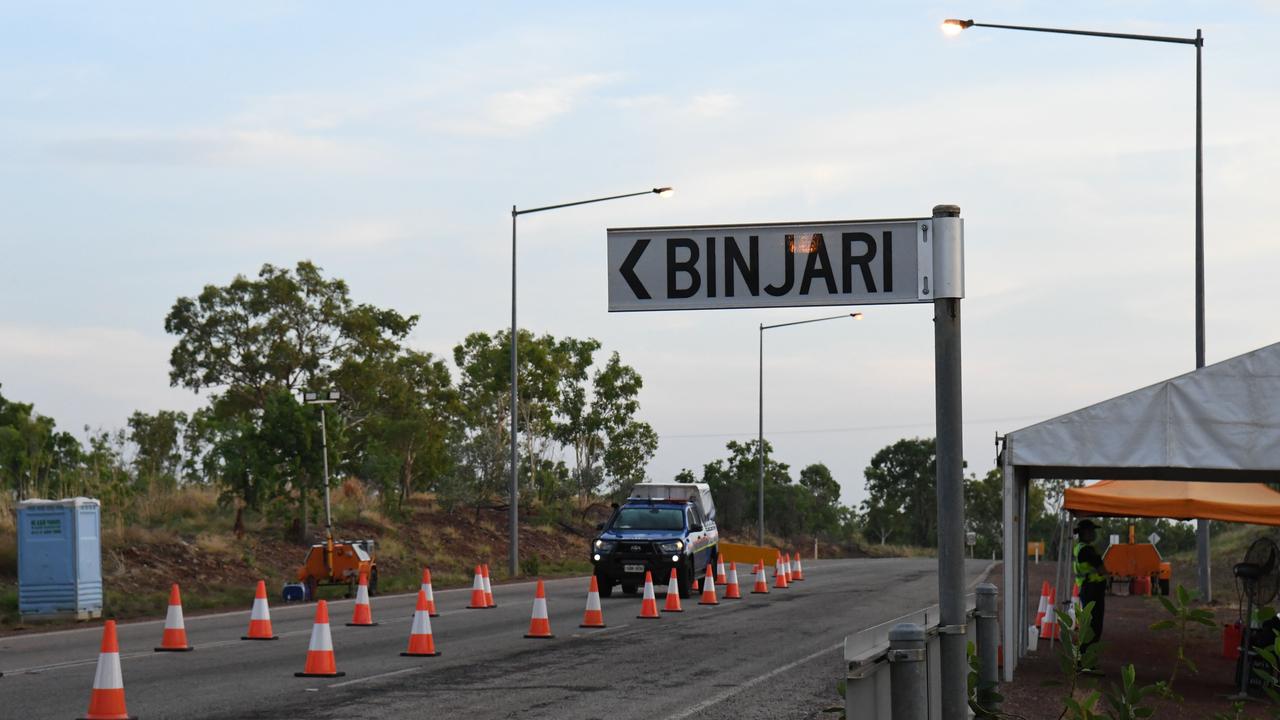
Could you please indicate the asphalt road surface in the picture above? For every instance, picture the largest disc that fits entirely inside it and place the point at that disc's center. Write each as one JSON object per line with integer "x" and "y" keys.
{"x": 765, "y": 656}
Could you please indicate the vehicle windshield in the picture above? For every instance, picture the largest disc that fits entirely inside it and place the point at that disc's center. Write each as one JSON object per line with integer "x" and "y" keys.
{"x": 649, "y": 518}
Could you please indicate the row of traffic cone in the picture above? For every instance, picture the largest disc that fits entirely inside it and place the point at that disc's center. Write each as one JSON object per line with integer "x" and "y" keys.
{"x": 1047, "y": 618}
{"x": 107, "y": 701}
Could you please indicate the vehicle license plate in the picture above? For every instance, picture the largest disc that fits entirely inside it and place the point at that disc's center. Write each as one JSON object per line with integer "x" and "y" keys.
{"x": 633, "y": 568}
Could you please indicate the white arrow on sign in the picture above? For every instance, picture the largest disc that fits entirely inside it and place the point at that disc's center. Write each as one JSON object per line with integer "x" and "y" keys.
{"x": 872, "y": 262}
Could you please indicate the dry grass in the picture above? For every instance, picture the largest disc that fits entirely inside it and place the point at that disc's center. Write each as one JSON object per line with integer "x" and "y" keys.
{"x": 215, "y": 544}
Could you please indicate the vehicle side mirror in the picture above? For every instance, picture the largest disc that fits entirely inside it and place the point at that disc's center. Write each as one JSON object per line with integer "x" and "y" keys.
{"x": 599, "y": 526}
{"x": 695, "y": 528}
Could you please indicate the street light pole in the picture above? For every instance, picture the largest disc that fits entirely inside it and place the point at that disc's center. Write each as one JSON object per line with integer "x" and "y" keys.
{"x": 760, "y": 439}
{"x": 326, "y": 398}
{"x": 513, "y": 514}
{"x": 953, "y": 26}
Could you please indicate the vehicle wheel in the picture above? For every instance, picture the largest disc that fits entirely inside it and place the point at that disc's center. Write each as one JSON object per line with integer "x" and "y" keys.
{"x": 684, "y": 577}
{"x": 605, "y": 586}
{"x": 628, "y": 588}
{"x": 312, "y": 585}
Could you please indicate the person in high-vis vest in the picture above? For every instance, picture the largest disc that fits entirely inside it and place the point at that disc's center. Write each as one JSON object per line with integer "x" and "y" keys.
{"x": 1090, "y": 575}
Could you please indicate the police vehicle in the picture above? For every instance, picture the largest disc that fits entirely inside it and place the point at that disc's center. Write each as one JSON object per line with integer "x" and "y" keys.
{"x": 660, "y": 527}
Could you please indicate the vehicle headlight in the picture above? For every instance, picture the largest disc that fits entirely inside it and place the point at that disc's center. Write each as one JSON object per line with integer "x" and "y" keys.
{"x": 671, "y": 547}
{"x": 605, "y": 546}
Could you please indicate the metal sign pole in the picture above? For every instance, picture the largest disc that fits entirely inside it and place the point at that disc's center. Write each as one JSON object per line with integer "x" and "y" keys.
{"x": 948, "y": 239}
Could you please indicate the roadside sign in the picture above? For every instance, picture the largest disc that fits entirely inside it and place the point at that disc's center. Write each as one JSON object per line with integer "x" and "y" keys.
{"x": 1153, "y": 538}
{"x": 707, "y": 267}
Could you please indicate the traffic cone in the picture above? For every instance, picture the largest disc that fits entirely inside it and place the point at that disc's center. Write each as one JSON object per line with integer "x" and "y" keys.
{"x": 421, "y": 644}
{"x": 320, "y": 662}
{"x": 260, "y": 617}
{"x": 1043, "y": 608}
{"x": 798, "y": 569}
{"x": 431, "y": 596}
{"x": 762, "y": 580}
{"x": 1049, "y": 626}
{"x": 1075, "y": 602}
{"x": 477, "y": 591}
{"x": 488, "y": 588}
{"x": 731, "y": 590}
{"x": 540, "y": 624}
{"x": 175, "y": 632}
{"x": 362, "y": 616}
{"x": 673, "y": 594}
{"x": 786, "y": 568}
{"x": 593, "y": 617}
{"x": 649, "y": 605}
{"x": 721, "y": 578}
{"x": 709, "y": 589}
{"x": 106, "y": 700}
{"x": 779, "y": 575}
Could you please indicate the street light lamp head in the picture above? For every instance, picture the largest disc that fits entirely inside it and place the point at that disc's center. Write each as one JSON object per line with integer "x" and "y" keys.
{"x": 856, "y": 315}
{"x": 664, "y": 192}
{"x": 952, "y": 26}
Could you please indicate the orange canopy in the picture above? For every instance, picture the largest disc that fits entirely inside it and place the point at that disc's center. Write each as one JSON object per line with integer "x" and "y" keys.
{"x": 1232, "y": 502}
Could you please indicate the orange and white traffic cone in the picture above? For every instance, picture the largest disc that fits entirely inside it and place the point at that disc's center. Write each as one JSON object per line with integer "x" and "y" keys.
{"x": 320, "y": 661}
{"x": 488, "y": 588}
{"x": 421, "y": 644}
{"x": 798, "y": 569}
{"x": 593, "y": 617}
{"x": 540, "y": 624}
{"x": 731, "y": 589}
{"x": 260, "y": 617}
{"x": 477, "y": 591}
{"x": 362, "y": 616}
{"x": 1043, "y": 607}
{"x": 106, "y": 701}
{"x": 1049, "y": 625}
{"x": 762, "y": 580}
{"x": 779, "y": 575}
{"x": 431, "y": 596}
{"x": 175, "y": 631}
{"x": 786, "y": 565}
{"x": 649, "y": 605}
{"x": 709, "y": 589}
{"x": 673, "y": 594}
{"x": 1075, "y": 602}
{"x": 721, "y": 578}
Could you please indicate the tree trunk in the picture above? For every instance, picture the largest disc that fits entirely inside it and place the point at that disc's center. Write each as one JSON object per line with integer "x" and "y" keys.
{"x": 302, "y": 510}
{"x": 238, "y": 527}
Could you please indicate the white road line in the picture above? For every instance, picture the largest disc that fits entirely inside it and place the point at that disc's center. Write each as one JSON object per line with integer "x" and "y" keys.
{"x": 726, "y": 694}
{"x": 373, "y": 677}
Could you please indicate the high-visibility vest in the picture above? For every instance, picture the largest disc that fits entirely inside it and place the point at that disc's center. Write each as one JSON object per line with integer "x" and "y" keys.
{"x": 1085, "y": 572}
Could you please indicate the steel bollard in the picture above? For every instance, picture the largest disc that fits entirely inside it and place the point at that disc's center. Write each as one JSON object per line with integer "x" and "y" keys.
{"x": 908, "y": 676}
{"x": 988, "y": 645}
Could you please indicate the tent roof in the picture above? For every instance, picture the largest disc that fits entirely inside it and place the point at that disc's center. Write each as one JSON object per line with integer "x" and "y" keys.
{"x": 1233, "y": 502}
{"x": 1221, "y": 422}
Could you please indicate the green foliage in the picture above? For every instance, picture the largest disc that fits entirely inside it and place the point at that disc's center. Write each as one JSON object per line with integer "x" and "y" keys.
{"x": 1182, "y": 615}
{"x": 811, "y": 506}
{"x": 900, "y": 504}
{"x": 984, "y": 697}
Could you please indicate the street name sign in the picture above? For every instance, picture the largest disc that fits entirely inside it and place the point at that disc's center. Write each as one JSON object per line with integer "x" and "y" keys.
{"x": 707, "y": 267}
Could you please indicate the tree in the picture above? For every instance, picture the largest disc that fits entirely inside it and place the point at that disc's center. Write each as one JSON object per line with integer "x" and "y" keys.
{"x": 255, "y": 341}
{"x": 158, "y": 440}
{"x": 901, "y": 492}
{"x": 401, "y": 418}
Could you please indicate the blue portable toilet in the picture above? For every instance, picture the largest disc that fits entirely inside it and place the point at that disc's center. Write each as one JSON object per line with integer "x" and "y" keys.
{"x": 60, "y": 558}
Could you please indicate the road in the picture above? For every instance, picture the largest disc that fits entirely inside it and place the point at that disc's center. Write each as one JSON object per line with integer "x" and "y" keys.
{"x": 765, "y": 656}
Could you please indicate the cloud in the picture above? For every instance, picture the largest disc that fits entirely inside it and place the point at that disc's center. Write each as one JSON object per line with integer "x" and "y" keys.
{"x": 513, "y": 112}
{"x": 86, "y": 375}
{"x": 219, "y": 148}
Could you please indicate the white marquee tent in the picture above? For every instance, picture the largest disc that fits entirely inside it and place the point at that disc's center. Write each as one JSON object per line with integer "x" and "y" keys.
{"x": 1219, "y": 423}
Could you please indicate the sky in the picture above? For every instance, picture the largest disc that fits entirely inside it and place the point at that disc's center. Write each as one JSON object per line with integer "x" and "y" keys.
{"x": 149, "y": 149}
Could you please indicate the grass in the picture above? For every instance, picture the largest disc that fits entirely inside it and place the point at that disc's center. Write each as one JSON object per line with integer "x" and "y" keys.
{"x": 1229, "y": 543}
